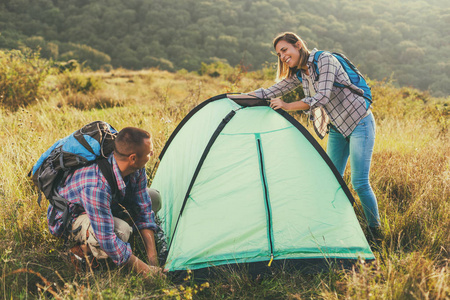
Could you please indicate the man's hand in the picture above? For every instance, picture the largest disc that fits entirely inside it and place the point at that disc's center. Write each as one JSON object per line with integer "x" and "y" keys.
{"x": 151, "y": 269}
{"x": 142, "y": 268}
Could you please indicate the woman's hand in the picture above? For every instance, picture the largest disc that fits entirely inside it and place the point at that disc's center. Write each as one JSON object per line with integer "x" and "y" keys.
{"x": 277, "y": 103}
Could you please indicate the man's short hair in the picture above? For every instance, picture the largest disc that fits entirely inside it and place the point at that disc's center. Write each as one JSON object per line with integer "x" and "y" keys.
{"x": 129, "y": 140}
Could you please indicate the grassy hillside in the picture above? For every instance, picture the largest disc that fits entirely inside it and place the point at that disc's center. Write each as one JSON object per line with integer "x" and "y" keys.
{"x": 384, "y": 38}
{"x": 410, "y": 176}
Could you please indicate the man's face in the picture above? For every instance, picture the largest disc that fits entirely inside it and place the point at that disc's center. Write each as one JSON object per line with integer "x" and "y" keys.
{"x": 143, "y": 156}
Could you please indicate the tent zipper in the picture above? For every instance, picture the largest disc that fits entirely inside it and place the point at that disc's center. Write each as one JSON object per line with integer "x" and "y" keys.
{"x": 266, "y": 196}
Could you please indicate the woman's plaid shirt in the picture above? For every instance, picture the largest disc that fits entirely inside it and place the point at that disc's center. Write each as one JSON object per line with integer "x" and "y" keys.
{"x": 88, "y": 192}
{"x": 343, "y": 106}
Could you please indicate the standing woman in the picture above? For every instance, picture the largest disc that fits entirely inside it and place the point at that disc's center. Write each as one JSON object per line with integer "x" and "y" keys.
{"x": 338, "y": 109}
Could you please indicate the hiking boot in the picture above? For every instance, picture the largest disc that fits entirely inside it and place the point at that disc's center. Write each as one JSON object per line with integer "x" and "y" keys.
{"x": 81, "y": 261}
{"x": 77, "y": 258}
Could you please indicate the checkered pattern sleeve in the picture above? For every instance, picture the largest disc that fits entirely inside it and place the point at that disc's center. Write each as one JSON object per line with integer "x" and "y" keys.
{"x": 279, "y": 89}
{"x": 146, "y": 218}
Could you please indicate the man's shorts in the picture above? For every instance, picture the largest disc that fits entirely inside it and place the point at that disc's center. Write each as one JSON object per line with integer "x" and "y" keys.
{"x": 86, "y": 236}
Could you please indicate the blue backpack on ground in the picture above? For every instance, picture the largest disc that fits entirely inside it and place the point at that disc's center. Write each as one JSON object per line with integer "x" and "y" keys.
{"x": 353, "y": 73}
{"x": 93, "y": 142}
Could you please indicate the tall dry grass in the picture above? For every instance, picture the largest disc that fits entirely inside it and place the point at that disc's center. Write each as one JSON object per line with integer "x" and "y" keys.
{"x": 410, "y": 175}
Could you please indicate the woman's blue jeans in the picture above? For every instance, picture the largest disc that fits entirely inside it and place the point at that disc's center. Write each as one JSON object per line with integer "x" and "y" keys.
{"x": 359, "y": 146}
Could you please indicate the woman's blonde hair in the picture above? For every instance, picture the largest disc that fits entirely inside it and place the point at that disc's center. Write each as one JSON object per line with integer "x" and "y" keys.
{"x": 283, "y": 70}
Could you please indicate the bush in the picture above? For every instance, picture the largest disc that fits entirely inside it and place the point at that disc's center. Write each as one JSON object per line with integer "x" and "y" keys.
{"x": 106, "y": 68}
{"x": 21, "y": 77}
{"x": 216, "y": 69}
{"x": 46, "y": 49}
{"x": 160, "y": 63}
{"x": 94, "y": 101}
{"x": 268, "y": 72}
{"x": 78, "y": 83}
{"x": 86, "y": 55}
{"x": 69, "y": 66}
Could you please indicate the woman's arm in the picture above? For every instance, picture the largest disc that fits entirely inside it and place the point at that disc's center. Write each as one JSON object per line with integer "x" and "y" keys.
{"x": 277, "y": 103}
{"x": 279, "y": 89}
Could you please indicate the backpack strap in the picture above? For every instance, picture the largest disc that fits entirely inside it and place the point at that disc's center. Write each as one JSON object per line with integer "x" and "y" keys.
{"x": 128, "y": 209}
{"x": 82, "y": 140}
{"x": 316, "y": 58}
{"x": 61, "y": 204}
{"x": 107, "y": 171}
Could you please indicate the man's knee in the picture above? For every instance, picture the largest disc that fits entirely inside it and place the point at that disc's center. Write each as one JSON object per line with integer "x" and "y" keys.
{"x": 80, "y": 229}
{"x": 84, "y": 233}
{"x": 155, "y": 196}
{"x": 122, "y": 229}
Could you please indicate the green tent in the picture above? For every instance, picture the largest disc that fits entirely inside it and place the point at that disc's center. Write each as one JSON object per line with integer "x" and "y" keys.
{"x": 250, "y": 185}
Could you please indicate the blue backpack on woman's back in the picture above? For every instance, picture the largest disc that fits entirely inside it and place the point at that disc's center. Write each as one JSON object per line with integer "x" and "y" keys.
{"x": 353, "y": 73}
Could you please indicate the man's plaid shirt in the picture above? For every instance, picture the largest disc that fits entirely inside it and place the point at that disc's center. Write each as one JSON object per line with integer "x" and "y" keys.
{"x": 88, "y": 192}
{"x": 344, "y": 107}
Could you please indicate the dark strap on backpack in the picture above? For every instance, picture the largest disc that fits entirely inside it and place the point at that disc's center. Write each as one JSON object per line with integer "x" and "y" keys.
{"x": 127, "y": 209}
{"x": 107, "y": 171}
{"x": 60, "y": 204}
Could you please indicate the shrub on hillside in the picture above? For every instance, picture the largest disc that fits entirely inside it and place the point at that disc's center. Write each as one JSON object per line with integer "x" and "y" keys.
{"x": 268, "y": 72}
{"x": 154, "y": 62}
{"x": 46, "y": 49}
{"x": 97, "y": 100}
{"x": 69, "y": 66}
{"x": 71, "y": 82}
{"x": 84, "y": 54}
{"x": 21, "y": 76}
{"x": 216, "y": 69}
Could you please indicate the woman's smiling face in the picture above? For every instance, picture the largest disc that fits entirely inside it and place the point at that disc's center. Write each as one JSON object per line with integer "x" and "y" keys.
{"x": 288, "y": 53}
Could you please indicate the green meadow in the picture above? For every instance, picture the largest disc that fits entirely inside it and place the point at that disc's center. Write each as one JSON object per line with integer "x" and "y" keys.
{"x": 410, "y": 176}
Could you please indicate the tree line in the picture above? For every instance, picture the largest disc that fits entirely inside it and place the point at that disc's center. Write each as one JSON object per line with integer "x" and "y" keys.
{"x": 406, "y": 40}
